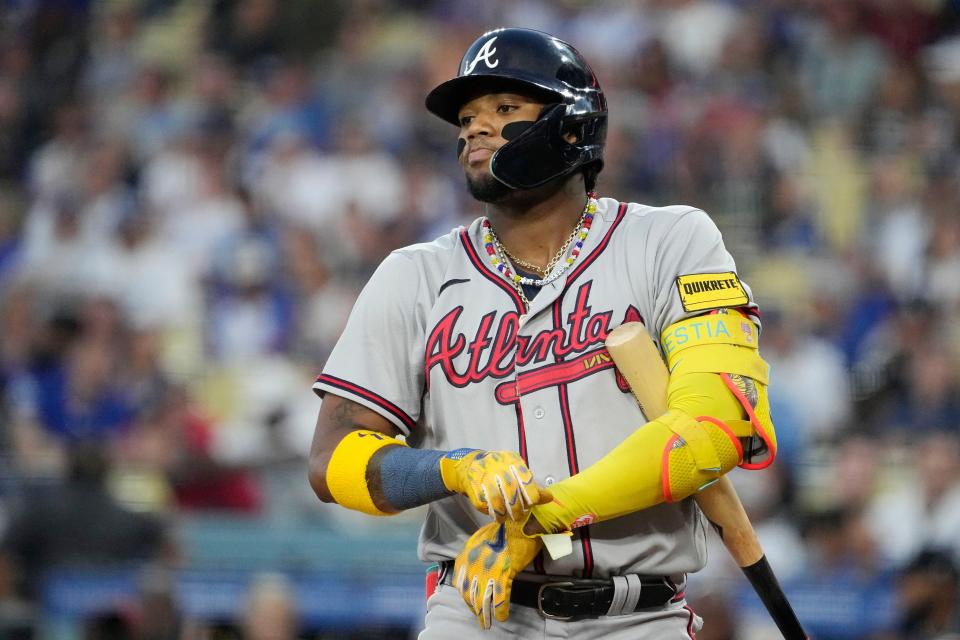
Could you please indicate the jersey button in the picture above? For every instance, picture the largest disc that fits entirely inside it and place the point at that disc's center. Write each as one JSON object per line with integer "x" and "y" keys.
{"x": 538, "y": 413}
{"x": 549, "y": 480}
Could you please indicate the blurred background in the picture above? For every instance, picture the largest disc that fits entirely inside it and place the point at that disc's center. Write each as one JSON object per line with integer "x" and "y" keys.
{"x": 192, "y": 193}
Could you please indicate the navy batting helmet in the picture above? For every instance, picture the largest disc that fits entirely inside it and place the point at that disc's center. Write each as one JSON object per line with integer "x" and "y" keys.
{"x": 536, "y": 63}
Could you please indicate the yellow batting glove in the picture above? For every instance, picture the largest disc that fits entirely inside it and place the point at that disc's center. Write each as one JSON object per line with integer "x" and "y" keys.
{"x": 497, "y": 483}
{"x": 485, "y": 569}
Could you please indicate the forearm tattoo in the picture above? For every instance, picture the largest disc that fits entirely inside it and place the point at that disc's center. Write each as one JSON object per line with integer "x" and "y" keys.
{"x": 753, "y": 446}
{"x": 747, "y": 387}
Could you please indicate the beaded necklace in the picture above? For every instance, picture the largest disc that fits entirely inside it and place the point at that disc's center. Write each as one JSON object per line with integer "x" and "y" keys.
{"x": 502, "y": 260}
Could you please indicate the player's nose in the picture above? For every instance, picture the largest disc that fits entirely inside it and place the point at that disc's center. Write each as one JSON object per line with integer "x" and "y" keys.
{"x": 480, "y": 125}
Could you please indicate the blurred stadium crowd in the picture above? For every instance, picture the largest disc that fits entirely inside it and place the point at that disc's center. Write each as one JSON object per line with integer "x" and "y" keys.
{"x": 193, "y": 192}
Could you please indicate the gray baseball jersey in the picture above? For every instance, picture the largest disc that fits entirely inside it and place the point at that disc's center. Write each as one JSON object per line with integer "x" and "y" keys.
{"x": 439, "y": 344}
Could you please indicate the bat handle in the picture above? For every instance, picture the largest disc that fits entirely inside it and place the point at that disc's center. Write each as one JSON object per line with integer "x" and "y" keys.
{"x": 722, "y": 507}
{"x": 765, "y": 583}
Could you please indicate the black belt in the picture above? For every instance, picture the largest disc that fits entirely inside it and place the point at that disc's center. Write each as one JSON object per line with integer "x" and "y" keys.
{"x": 567, "y": 599}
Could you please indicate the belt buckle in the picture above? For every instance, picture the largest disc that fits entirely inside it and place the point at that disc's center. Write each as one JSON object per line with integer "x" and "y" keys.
{"x": 540, "y": 600}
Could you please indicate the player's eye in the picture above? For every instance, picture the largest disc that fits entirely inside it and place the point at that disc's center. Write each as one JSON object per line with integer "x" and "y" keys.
{"x": 507, "y": 108}
{"x": 465, "y": 120}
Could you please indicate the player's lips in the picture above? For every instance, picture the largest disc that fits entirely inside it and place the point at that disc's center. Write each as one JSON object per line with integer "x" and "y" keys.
{"x": 479, "y": 155}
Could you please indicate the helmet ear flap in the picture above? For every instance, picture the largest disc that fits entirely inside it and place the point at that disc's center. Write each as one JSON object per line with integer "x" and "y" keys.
{"x": 554, "y": 114}
{"x": 537, "y": 155}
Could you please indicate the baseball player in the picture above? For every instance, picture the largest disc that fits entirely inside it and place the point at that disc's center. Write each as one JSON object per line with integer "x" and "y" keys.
{"x": 472, "y": 375}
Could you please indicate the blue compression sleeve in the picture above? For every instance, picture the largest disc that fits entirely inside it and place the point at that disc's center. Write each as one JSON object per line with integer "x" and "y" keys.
{"x": 411, "y": 477}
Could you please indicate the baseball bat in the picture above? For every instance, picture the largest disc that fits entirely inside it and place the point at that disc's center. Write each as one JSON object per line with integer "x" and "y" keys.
{"x": 640, "y": 363}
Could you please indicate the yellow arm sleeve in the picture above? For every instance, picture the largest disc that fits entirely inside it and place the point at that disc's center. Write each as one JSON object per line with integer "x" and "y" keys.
{"x": 637, "y": 473}
{"x": 670, "y": 458}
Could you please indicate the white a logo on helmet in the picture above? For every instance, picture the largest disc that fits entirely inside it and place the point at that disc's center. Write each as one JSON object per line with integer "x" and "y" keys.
{"x": 486, "y": 53}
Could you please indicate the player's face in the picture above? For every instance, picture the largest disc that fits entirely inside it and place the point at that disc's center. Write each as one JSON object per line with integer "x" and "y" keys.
{"x": 481, "y": 133}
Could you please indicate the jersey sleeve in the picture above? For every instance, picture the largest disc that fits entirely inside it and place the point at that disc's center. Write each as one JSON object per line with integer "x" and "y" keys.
{"x": 693, "y": 272}
{"x": 377, "y": 362}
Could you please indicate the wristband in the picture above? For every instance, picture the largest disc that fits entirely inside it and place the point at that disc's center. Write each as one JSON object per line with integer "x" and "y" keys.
{"x": 347, "y": 470}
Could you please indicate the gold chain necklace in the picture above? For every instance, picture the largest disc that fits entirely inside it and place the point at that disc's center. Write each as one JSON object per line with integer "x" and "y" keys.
{"x": 544, "y": 271}
{"x": 501, "y": 262}
{"x": 500, "y": 258}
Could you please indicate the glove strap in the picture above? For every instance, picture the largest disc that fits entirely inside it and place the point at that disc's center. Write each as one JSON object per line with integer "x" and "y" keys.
{"x": 448, "y": 467}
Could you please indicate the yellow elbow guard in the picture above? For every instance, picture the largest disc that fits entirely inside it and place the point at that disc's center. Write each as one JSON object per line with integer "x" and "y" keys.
{"x": 347, "y": 470}
{"x": 725, "y": 343}
{"x": 696, "y": 455}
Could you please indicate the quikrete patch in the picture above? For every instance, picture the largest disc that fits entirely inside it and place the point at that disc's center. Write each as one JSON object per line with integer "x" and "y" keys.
{"x": 701, "y": 291}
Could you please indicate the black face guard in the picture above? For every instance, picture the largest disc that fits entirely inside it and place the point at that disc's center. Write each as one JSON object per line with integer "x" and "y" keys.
{"x": 540, "y": 154}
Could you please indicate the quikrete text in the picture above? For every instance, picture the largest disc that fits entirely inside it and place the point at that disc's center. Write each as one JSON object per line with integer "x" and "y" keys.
{"x": 710, "y": 285}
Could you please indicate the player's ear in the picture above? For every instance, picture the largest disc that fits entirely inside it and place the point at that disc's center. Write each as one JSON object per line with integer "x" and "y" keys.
{"x": 572, "y": 134}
